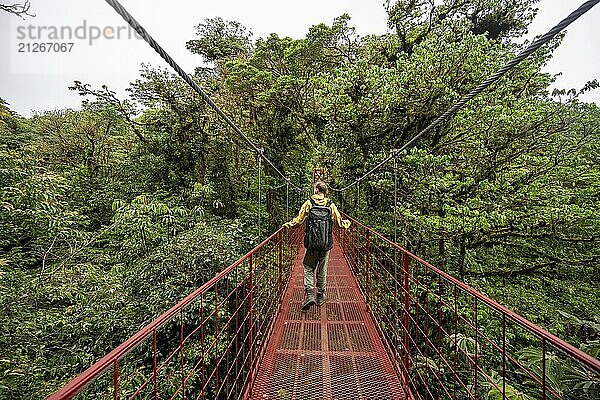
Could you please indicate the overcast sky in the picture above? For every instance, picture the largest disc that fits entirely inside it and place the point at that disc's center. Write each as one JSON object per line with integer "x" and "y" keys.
{"x": 33, "y": 81}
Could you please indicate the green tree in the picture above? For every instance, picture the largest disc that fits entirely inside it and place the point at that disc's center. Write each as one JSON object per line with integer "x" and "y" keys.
{"x": 220, "y": 39}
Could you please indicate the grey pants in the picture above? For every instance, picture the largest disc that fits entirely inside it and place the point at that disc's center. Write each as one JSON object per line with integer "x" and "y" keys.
{"x": 315, "y": 261}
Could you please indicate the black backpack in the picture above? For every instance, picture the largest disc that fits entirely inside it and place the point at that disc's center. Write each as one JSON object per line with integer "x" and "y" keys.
{"x": 318, "y": 233}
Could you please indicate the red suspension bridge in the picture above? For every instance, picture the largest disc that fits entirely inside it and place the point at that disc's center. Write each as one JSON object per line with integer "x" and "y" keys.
{"x": 394, "y": 327}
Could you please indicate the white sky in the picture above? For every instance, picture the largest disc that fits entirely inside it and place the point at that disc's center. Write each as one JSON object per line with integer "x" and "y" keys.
{"x": 34, "y": 81}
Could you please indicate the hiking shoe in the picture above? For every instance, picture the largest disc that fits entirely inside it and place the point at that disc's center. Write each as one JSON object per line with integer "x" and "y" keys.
{"x": 309, "y": 300}
{"x": 320, "y": 299}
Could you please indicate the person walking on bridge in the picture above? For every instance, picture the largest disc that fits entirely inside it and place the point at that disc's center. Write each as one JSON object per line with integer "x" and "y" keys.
{"x": 320, "y": 213}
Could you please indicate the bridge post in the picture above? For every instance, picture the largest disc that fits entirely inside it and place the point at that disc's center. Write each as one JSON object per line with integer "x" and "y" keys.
{"x": 181, "y": 344}
{"x": 280, "y": 265}
{"x": 318, "y": 175}
{"x": 154, "y": 365}
{"x": 406, "y": 310}
{"x": 368, "y": 269}
{"x": 216, "y": 330}
{"x": 116, "y": 380}
{"x": 250, "y": 335}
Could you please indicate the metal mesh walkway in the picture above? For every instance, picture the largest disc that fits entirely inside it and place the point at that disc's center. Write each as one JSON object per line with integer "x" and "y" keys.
{"x": 328, "y": 352}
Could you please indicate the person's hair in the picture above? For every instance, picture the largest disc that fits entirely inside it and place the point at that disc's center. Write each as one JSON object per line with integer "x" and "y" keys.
{"x": 321, "y": 187}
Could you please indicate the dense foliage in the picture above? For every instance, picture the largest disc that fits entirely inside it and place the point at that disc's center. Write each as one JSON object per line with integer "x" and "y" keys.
{"x": 111, "y": 213}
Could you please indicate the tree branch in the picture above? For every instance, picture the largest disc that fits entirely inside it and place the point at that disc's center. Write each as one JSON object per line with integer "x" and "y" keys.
{"x": 110, "y": 97}
{"x": 512, "y": 273}
{"x": 19, "y": 9}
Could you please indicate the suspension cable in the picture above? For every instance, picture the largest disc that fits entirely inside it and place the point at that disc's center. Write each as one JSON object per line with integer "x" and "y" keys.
{"x": 188, "y": 79}
{"x": 535, "y": 45}
{"x": 259, "y": 161}
{"x": 357, "y": 197}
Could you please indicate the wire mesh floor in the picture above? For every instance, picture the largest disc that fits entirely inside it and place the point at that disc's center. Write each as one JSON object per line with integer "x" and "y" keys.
{"x": 328, "y": 352}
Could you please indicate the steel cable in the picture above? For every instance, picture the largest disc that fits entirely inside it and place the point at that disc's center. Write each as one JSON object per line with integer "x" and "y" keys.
{"x": 259, "y": 162}
{"x": 188, "y": 79}
{"x": 534, "y": 46}
{"x": 358, "y": 198}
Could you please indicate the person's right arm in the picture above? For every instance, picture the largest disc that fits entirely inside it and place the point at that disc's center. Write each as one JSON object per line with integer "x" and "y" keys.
{"x": 337, "y": 217}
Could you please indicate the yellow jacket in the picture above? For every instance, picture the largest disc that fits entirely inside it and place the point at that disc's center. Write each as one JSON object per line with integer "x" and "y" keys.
{"x": 320, "y": 200}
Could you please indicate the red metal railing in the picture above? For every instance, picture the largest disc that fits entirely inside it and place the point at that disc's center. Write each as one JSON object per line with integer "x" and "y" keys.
{"x": 450, "y": 341}
{"x": 209, "y": 344}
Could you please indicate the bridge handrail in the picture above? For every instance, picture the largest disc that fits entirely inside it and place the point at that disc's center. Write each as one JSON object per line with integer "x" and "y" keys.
{"x": 84, "y": 379}
{"x": 560, "y": 344}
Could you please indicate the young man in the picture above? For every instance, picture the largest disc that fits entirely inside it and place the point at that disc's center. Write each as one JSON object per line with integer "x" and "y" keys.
{"x": 318, "y": 240}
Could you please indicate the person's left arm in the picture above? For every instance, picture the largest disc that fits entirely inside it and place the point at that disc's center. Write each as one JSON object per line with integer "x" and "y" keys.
{"x": 337, "y": 217}
{"x": 299, "y": 219}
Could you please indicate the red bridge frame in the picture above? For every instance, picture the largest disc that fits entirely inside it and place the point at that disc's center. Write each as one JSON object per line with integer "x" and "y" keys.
{"x": 446, "y": 339}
